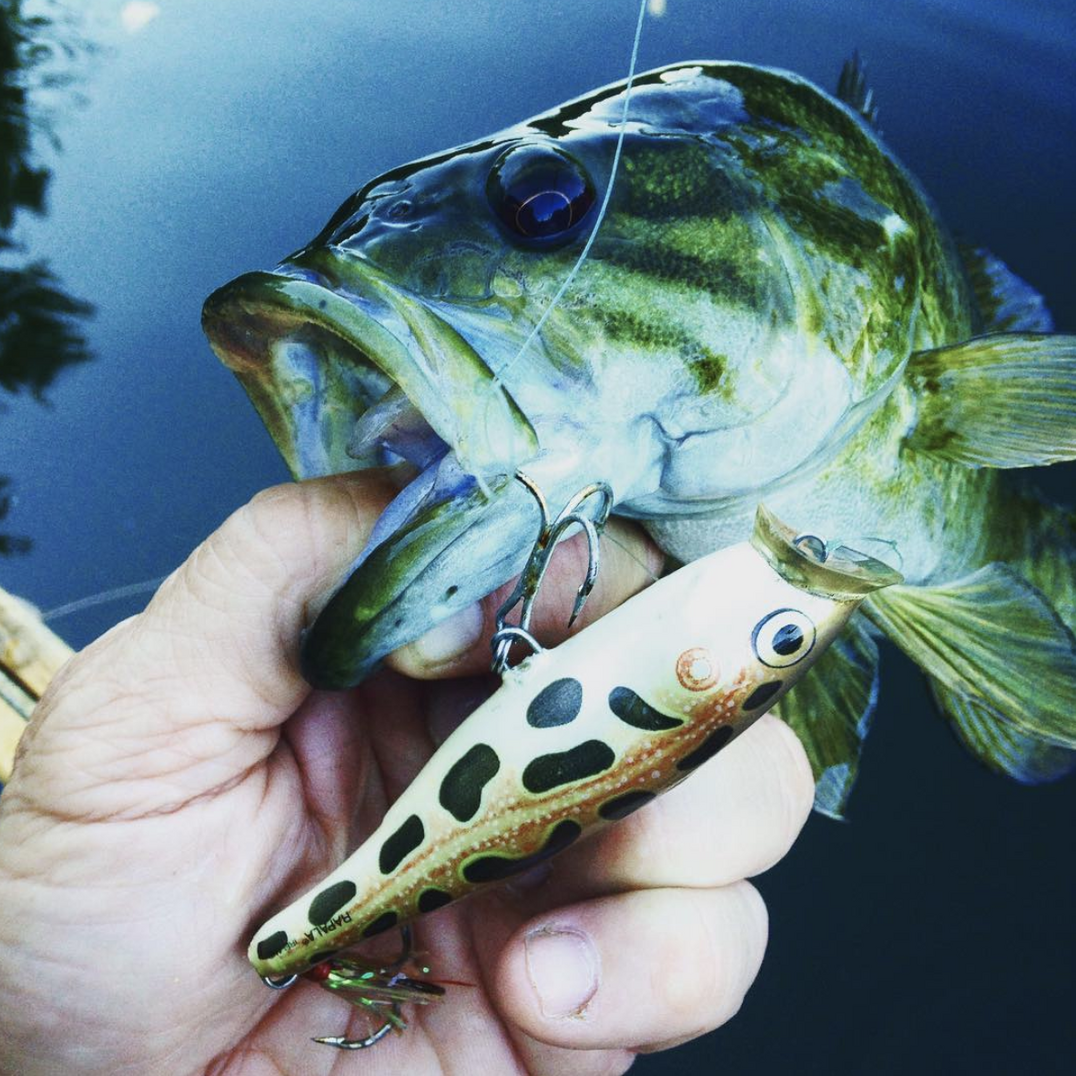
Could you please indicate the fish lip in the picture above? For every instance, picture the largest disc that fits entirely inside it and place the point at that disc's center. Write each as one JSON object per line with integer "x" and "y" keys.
{"x": 378, "y": 335}
{"x": 449, "y": 556}
{"x": 317, "y": 342}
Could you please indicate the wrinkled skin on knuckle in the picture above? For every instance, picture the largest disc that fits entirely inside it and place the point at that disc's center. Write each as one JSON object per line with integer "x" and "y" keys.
{"x": 259, "y": 543}
{"x": 295, "y": 532}
{"x": 690, "y": 970}
{"x": 83, "y": 689}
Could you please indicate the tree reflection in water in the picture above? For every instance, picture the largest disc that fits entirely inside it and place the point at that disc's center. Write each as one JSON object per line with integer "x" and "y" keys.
{"x": 40, "y": 324}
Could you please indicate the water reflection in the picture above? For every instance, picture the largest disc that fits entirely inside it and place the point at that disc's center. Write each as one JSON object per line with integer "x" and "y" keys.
{"x": 40, "y": 330}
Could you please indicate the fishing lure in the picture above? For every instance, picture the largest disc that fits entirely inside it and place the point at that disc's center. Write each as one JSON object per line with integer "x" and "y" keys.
{"x": 582, "y": 735}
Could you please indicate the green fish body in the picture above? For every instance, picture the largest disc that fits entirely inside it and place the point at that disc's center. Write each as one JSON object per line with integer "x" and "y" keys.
{"x": 771, "y": 311}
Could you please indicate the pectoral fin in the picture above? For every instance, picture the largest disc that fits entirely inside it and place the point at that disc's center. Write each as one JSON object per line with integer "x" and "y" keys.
{"x": 1004, "y": 400}
{"x": 830, "y": 710}
{"x": 998, "y": 743}
{"x": 993, "y": 638}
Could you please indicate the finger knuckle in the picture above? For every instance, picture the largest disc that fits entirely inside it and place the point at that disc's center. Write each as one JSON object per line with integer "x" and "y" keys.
{"x": 694, "y": 972}
{"x": 713, "y": 958}
{"x": 798, "y": 781}
{"x": 276, "y": 535}
{"x": 790, "y": 783}
{"x": 280, "y": 517}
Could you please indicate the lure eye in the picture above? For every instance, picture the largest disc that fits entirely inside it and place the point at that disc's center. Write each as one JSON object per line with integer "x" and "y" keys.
{"x": 783, "y": 638}
{"x": 539, "y": 193}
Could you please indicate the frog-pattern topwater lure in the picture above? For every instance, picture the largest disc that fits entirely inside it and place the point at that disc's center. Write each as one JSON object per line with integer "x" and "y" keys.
{"x": 584, "y": 734}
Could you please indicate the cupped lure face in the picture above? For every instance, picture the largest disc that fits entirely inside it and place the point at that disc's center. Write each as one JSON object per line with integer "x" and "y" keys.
{"x": 698, "y": 333}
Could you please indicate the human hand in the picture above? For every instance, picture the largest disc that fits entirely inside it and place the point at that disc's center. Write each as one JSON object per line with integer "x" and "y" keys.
{"x": 180, "y": 782}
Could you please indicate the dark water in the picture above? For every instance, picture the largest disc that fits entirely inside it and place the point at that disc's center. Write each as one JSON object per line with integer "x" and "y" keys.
{"x": 933, "y": 934}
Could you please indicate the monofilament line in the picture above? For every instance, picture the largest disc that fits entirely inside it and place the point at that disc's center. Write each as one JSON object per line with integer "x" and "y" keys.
{"x": 129, "y": 591}
{"x": 497, "y": 383}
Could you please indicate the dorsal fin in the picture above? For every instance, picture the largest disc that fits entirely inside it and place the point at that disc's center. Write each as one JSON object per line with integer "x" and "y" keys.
{"x": 993, "y": 638}
{"x": 1008, "y": 303}
{"x": 853, "y": 90}
{"x": 830, "y": 710}
{"x": 1003, "y": 400}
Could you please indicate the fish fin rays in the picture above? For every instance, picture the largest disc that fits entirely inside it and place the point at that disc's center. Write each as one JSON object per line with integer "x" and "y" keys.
{"x": 1003, "y": 400}
{"x": 1042, "y": 550}
{"x": 853, "y": 90}
{"x": 998, "y": 743}
{"x": 830, "y": 710}
{"x": 993, "y": 639}
{"x": 1007, "y": 302}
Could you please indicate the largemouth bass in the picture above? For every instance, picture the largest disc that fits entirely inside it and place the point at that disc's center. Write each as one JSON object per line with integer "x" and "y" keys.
{"x": 771, "y": 311}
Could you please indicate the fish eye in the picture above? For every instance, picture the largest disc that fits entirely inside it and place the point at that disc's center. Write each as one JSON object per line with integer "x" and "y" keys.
{"x": 783, "y": 638}
{"x": 539, "y": 193}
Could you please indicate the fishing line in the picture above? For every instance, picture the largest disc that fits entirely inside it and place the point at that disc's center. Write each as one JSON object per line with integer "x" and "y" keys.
{"x": 103, "y": 597}
{"x": 497, "y": 385}
{"x": 630, "y": 553}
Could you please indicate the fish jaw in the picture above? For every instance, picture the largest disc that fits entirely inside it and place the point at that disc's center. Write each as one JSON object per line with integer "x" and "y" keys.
{"x": 448, "y": 556}
{"x": 327, "y": 348}
{"x": 322, "y": 339}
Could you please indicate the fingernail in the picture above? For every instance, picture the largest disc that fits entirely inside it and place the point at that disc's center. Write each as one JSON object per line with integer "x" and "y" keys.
{"x": 451, "y": 638}
{"x": 562, "y": 966}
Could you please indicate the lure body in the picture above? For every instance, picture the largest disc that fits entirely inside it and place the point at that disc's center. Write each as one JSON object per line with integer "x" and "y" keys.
{"x": 584, "y": 734}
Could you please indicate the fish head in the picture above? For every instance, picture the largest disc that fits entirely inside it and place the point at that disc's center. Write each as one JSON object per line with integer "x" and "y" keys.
{"x": 430, "y": 321}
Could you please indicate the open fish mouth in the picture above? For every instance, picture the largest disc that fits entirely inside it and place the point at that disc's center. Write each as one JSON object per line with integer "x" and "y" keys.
{"x": 348, "y": 370}
{"x": 324, "y": 338}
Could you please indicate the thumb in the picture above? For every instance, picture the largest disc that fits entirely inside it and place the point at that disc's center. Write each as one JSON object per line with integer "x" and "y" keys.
{"x": 460, "y": 646}
{"x": 186, "y": 697}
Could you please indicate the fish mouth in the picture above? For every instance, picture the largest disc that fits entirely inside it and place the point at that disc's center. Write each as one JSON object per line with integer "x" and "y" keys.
{"x": 320, "y": 341}
{"x": 348, "y": 370}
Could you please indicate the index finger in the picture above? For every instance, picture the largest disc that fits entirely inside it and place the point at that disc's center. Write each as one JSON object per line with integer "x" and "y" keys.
{"x": 192, "y": 690}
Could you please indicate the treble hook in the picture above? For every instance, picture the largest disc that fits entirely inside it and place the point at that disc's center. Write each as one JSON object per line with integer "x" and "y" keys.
{"x": 371, "y": 987}
{"x": 341, "y": 1042}
{"x": 530, "y": 580}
